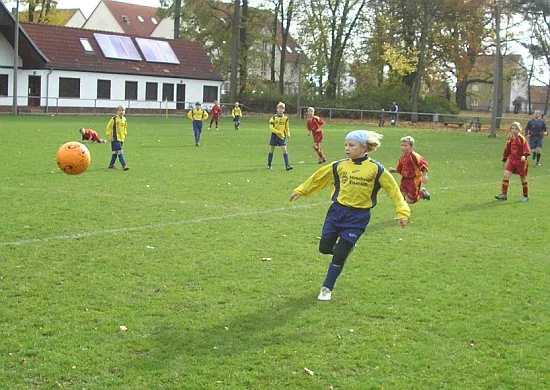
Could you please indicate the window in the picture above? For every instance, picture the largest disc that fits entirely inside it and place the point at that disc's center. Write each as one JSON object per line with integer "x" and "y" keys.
{"x": 263, "y": 70}
{"x": 151, "y": 91}
{"x": 130, "y": 90}
{"x": 69, "y": 87}
{"x": 140, "y": 18}
{"x": 168, "y": 92}
{"x": 103, "y": 89}
{"x": 209, "y": 94}
{"x": 157, "y": 51}
{"x": 154, "y": 21}
{"x": 117, "y": 46}
{"x": 3, "y": 85}
{"x": 86, "y": 45}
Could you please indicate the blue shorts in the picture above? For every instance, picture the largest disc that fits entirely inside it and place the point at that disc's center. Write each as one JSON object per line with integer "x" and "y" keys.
{"x": 345, "y": 222}
{"x": 535, "y": 141}
{"x": 276, "y": 141}
{"x": 116, "y": 146}
{"x": 236, "y": 118}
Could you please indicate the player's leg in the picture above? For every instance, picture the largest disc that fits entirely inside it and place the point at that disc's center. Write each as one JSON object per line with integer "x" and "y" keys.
{"x": 270, "y": 153}
{"x": 504, "y": 189}
{"x": 288, "y": 167}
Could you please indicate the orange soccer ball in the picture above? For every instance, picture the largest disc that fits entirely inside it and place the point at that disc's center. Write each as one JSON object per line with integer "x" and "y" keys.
{"x": 73, "y": 158}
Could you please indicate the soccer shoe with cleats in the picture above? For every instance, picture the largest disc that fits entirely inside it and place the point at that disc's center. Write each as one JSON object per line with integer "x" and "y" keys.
{"x": 524, "y": 199}
{"x": 501, "y": 197}
{"x": 538, "y": 164}
{"x": 289, "y": 168}
{"x": 325, "y": 294}
{"x": 126, "y": 167}
{"x": 425, "y": 194}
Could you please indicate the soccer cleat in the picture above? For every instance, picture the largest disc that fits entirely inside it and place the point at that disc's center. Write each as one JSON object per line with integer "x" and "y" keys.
{"x": 501, "y": 197}
{"x": 111, "y": 167}
{"x": 269, "y": 167}
{"x": 538, "y": 164}
{"x": 197, "y": 144}
{"x": 425, "y": 194}
{"x": 126, "y": 167}
{"x": 289, "y": 168}
{"x": 524, "y": 199}
{"x": 325, "y": 294}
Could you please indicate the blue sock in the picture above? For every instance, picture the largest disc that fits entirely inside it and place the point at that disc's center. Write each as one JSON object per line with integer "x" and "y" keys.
{"x": 285, "y": 156}
{"x": 113, "y": 160}
{"x": 269, "y": 159}
{"x": 121, "y": 159}
{"x": 332, "y": 274}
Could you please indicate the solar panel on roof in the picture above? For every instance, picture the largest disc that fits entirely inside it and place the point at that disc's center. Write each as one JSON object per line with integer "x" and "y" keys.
{"x": 117, "y": 46}
{"x": 157, "y": 51}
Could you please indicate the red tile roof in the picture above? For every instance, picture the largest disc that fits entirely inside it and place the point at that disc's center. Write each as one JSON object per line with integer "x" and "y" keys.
{"x": 127, "y": 16}
{"x": 538, "y": 93}
{"x": 61, "y": 45}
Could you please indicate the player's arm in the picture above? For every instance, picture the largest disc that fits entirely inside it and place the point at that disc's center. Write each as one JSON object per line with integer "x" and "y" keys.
{"x": 402, "y": 210}
{"x": 287, "y": 127}
{"x": 322, "y": 178}
{"x": 190, "y": 114}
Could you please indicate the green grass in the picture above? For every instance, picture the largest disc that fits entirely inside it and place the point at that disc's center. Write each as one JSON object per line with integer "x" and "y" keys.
{"x": 171, "y": 249}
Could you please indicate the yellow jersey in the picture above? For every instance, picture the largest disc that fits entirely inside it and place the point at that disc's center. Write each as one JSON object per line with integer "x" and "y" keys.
{"x": 356, "y": 184}
{"x": 280, "y": 126}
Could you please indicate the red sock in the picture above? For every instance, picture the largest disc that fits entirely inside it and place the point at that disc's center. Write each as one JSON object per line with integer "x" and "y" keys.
{"x": 525, "y": 189}
{"x": 505, "y": 186}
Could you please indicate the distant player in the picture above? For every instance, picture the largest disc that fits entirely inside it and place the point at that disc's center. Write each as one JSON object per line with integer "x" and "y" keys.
{"x": 116, "y": 131}
{"x": 237, "y": 113}
{"x": 314, "y": 124}
{"x": 536, "y": 130}
{"x": 90, "y": 135}
{"x": 413, "y": 169}
{"x": 517, "y": 152}
{"x": 280, "y": 131}
{"x": 197, "y": 115}
{"x": 215, "y": 114}
{"x": 393, "y": 113}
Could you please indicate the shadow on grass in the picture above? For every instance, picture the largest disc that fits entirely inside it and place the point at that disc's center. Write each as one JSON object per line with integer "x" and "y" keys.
{"x": 229, "y": 337}
{"x": 474, "y": 207}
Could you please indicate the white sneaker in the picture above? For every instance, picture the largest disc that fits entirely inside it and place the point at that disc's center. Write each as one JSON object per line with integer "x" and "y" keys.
{"x": 325, "y": 294}
{"x": 524, "y": 199}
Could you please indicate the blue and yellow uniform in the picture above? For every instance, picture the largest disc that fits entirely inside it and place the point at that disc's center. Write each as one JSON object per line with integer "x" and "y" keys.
{"x": 197, "y": 115}
{"x": 236, "y": 113}
{"x": 116, "y": 130}
{"x": 356, "y": 185}
{"x": 279, "y": 126}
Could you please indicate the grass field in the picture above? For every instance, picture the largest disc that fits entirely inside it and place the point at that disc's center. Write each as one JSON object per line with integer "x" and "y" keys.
{"x": 171, "y": 249}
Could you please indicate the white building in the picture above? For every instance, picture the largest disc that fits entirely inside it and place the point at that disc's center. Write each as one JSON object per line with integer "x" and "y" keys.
{"x": 73, "y": 69}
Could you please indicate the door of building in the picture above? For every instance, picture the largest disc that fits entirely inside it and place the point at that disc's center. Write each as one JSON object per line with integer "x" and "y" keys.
{"x": 180, "y": 97}
{"x": 34, "y": 91}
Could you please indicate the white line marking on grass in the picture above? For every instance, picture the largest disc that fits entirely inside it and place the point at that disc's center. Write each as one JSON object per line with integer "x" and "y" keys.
{"x": 155, "y": 225}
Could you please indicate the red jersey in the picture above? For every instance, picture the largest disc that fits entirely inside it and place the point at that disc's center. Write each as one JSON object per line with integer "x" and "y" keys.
{"x": 410, "y": 166}
{"x": 90, "y": 135}
{"x": 314, "y": 124}
{"x": 515, "y": 147}
{"x": 216, "y": 109}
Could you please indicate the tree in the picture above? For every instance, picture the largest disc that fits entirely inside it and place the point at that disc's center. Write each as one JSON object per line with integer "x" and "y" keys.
{"x": 286, "y": 19}
{"x": 334, "y": 22}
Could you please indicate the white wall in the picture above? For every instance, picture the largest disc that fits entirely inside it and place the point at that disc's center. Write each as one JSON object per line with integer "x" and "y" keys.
{"x": 77, "y": 20}
{"x": 165, "y": 29}
{"x": 6, "y": 67}
{"x": 102, "y": 19}
{"x": 88, "y": 89}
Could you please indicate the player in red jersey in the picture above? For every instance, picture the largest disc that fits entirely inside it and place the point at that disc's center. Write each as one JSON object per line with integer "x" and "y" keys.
{"x": 90, "y": 135}
{"x": 314, "y": 124}
{"x": 516, "y": 151}
{"x": 413, "y": 169}
{"x": 215, "y": 112}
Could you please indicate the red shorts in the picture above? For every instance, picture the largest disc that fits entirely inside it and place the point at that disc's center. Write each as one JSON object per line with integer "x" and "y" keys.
{"x": 317, "y": 137}
{"x": 215, "y": 117}
{"x": 411, "y": 188}
{"x": 517, "y": 167}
